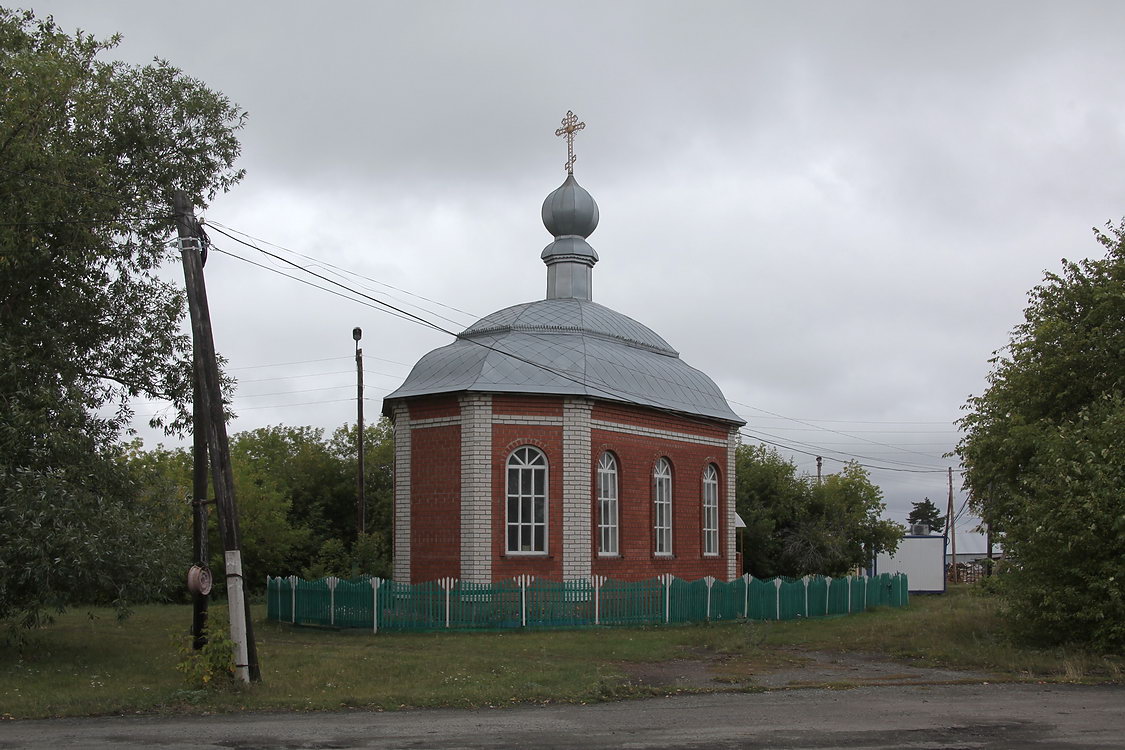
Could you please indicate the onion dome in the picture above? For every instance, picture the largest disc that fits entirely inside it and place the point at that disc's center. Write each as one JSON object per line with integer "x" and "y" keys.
{"x": 571, "y": 215}
{"x": 567, "y": 344}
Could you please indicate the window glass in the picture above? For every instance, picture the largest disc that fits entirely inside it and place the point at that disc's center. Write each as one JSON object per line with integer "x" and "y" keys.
{"x": 711, "y": 511}
{"x": 662, "y": 507}
{"x": 527, "y": 501}
{"x": 607, "y": 505}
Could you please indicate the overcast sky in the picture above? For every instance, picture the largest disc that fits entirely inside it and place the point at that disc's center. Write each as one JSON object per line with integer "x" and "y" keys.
{"x": 834, "y": 209}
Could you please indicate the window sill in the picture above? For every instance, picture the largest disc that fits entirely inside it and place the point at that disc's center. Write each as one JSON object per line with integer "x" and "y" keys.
{"x": 527, "y": 554}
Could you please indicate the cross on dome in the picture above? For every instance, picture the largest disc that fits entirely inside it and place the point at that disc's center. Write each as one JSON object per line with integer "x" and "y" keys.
{"x": 570, "y": 126}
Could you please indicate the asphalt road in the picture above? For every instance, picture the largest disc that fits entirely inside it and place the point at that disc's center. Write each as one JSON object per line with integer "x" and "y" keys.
{"x": 937, "y": 716}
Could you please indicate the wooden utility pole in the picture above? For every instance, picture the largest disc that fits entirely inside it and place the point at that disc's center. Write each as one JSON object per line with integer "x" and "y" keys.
{"x": 200, "y": 550}
{"x": 218, "y": 449}
{"x": 951, "y": 530}
{"x": 818, "y": 463}
{"x": 360, "y": 498}
{"x": 988, "y": 545}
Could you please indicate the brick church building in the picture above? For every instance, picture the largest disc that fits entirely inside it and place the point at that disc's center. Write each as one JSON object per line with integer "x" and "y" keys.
{"x": 562, "y": 439}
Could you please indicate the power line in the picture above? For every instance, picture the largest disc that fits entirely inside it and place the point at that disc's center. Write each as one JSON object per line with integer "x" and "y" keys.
{"x": 610, "y": 390}
{"x": 400, "y": 312}
{"x": 306, "y": 282}
{"x": 356, "y": 274}
{"x": 310, "y": 361}
{"x": 744, "y": 433}
{"x": 271, "y": 406}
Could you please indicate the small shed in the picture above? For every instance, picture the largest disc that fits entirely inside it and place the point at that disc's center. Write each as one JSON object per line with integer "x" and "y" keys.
{"x": 922, "y": 558}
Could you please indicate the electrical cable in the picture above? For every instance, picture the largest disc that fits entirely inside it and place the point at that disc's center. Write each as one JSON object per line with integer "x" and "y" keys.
{"x": 611, "y": 391}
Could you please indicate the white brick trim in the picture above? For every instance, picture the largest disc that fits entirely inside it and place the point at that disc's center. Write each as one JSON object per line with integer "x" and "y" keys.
{"x": 576, "y": 499}
{"x": 526, "y": 419}
{"x": 435, "y": 422}
{"x": 732, "y": 545}
{"x": 476, "y": 487}
{"x": 628, "y": 429}
{"x": 401, "y": 523}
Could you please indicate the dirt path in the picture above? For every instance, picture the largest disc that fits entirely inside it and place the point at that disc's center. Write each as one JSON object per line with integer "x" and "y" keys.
{"x": 790, "y": 668}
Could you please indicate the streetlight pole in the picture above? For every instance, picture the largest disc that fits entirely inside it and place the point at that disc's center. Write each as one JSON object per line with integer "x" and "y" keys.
{"x": 360, "y": 500}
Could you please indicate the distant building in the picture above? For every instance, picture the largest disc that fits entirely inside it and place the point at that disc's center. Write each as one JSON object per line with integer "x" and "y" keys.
{"x": 562, "y": 439}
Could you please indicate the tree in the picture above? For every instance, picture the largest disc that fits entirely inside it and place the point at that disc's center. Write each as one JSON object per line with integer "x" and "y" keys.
{"x": 927, "y": 513}
{"x": 296, "y": 492}
{"x": 796, "y": 527}
{"x": 90, "y": 154}
{"x": 1044, "y": 454}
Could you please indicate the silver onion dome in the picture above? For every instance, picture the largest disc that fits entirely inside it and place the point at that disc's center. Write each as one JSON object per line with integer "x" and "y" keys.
{"x": 567, "y": 344}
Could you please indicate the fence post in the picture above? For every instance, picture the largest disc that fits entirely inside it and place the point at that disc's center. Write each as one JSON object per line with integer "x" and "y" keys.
{"x": 865, "y": 585}
{"x": 710, "y": 582}
{"x": 806, "y": 580}
{"x": 667, "y": 597}
{"x": 293, "y": 599}
{"x": 375, "y": 583}
{"x": 827, "y": 593}
{"x": 331, "y": 581}
{"x": 523, "y": 580}
{"x": 446, "y": 585}
{"x": 777, "y": 586}
{"x": 849, "y": 593}
{"x": 747, "y": 579}
{"x": 597, "y": 582}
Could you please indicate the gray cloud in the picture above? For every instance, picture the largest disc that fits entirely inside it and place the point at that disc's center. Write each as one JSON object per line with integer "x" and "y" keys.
{"x": 836, "y": 210}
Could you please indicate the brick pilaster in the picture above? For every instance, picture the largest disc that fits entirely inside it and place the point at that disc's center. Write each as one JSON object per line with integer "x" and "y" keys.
{"x": 476, "y": 487}
{"x": 732, "y": 562}
{"x": 401, "y": 562}
{"x": 576, "y": 488}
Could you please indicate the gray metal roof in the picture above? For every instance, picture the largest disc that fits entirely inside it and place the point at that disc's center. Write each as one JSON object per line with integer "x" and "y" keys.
{"x": 567, "y": 347}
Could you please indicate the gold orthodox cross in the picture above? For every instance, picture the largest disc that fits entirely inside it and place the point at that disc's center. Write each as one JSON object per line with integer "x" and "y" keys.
{"x": 570, "y": 127}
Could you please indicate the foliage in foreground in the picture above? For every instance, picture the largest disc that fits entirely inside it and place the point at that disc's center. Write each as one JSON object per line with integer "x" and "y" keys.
{"x": 796, "y": 527}
{"x": 211, "y": 666}
{"x": 90, "y": 153}
{"x": 1044, "y": 453}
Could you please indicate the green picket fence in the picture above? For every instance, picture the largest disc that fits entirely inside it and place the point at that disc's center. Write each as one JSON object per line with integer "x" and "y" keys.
{"x": 528, "y": 602}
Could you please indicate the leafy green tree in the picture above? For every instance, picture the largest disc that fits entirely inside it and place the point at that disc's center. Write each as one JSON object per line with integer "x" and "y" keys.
{"x": 296, "y": 495}
{"x": 770, "y": 498}
{"x": 926, "y": 512}
{"x": 797, "y": 527}
{"x": 90, "y": 153}
{"x": 1044, "y": 454}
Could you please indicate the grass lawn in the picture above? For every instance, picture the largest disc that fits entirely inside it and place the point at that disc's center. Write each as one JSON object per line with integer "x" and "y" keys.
{"x": 89, "y": 663}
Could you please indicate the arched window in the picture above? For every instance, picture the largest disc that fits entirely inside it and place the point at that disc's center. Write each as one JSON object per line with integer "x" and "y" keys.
{"x": 527, "y": 501}
{"x": 662, "y": 507}
{"x": 607, "y": 505}
{"x": 710, "y": 510}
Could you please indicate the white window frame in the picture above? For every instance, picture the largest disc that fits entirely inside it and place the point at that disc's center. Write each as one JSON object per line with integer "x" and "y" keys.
{"x": 528, "y": 466}
{"x": 608, "y": 506}
{"x": 711, "y": 511}
{"x": 662, "y": 508}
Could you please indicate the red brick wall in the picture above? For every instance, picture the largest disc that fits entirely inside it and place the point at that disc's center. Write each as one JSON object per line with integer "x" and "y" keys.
{"x": 429, "y": 407}
{"x": 539, "y": 406}
{"x": 435, "y": 503}
{"x": 505, "y": 439}
{"x": 642, "y": 417}
{"x": 436, "y": 491}
{"x": 636, "y": 458}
